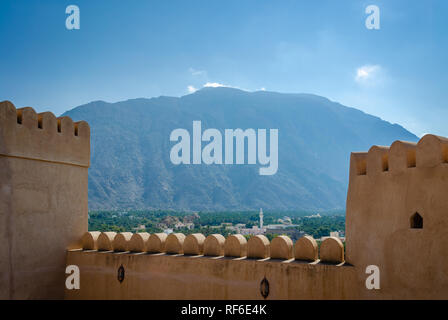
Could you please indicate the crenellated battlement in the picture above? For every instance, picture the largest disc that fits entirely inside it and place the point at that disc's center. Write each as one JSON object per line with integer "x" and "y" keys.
{"x": 177, "y": 266}
{"x": 234, "y": 246}
{"x": 430, "y": 151}
{"x": 42, "y": 136}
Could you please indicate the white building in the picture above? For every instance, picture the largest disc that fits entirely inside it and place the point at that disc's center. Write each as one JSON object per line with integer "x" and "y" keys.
{"x": 334, "y": 234}
{"x": 252, "y": 231}
{"x": 255, "y": 230}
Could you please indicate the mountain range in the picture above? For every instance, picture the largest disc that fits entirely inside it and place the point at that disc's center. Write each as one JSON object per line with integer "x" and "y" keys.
{"x": 130, "y": 151}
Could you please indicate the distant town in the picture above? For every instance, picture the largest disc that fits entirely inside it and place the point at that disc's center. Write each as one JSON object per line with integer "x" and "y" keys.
{"x": 293, "y": 224}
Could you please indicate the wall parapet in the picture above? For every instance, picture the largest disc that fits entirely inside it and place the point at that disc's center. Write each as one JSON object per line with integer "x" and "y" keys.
{"x": 216, "y": 245}
{"x": 176, "y": 266}
{"x": 42, "y": 136}
{"x": 429, "y": 151}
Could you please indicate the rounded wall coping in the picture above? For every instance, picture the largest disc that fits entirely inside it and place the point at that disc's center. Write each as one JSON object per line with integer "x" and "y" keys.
{"x": 194, "y": 244}
{"x": 105, "y": 241}
{"x": 156, "y": 242}
{"x": 89, "y": 240}
{"x": 377, "y": 160}
{"x": 408, "y": 144}
{"x": 332, "y": 250}
{"x": 379, "y": 148}
{"x": 282, "y": 248}
{"x": 235, "y": 246}
{"x": 306, "y": 249}
{"x": 139, "y": 242}
{"x": 174, "y": 243}
{"x": 432, "y": 137}
{"x": 402, "y": 155}
{"x": 258, "y": 247}
{"x": 214, "y": 245}
{"x": 121, "y": 241}
{"x": 432, "y": 150}
{"x": 28, "y": 117}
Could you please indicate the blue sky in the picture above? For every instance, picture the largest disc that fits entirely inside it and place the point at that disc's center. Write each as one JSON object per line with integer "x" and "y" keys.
{"x": 130, "y": 49}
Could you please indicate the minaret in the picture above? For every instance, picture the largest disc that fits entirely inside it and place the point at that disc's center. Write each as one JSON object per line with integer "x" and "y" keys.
{"x": 261, "y": 218}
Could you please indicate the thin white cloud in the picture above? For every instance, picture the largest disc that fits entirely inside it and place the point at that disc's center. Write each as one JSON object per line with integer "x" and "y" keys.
{"x": 195, "y": 72}
{"x": 221, "y": 85}
{"x": 367, "y": 73}
{"x": 191, "y": 89}
{"x": 214, "y": 85}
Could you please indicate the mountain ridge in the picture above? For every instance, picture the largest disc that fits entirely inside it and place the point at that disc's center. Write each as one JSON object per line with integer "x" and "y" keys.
{"x": 130, "y": 151}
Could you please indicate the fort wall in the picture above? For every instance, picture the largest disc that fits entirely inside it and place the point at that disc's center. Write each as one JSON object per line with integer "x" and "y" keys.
{"x": 390, "y": 189}
{"x": 43, "y": 199}
{"x": 114, "y": 274}
{"x": 396, "y": 220}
